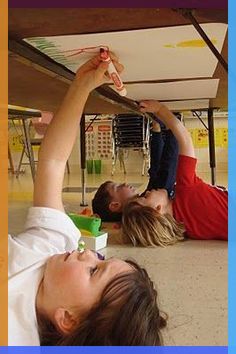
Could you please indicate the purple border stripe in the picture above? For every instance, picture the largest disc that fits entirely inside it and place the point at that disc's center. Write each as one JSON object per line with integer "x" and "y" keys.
{"x": 114, "y": 350}
{"x": 118, "y": 4}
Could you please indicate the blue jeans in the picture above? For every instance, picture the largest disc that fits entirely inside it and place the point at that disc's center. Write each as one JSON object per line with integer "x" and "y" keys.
{"x": 164, "y": 159}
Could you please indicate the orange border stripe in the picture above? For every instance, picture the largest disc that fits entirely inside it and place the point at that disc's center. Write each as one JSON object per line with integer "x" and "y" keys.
{"x": 3, "y": 170}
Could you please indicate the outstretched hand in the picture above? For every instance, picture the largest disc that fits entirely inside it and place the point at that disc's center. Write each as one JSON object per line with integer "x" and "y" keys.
{"x": 171, "y": 122}
{"x": 92, "y": 74}
{"x": 62, "y": 132}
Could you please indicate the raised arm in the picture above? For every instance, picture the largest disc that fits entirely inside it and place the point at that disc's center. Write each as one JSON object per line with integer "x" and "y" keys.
{"x": 168, "y": 118}
{"x": 61, "y": 133}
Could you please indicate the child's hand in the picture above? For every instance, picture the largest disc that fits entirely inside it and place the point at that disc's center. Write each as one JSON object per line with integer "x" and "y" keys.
{"x": 156, "y": 127}
{"x": 151, "y": 106}
{"x": 93, "y": 73}
{"x": 61, "y": 134}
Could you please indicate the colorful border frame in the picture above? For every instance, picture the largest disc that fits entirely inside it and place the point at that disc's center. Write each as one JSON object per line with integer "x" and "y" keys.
{"x": 119, "y": 4}
{"x": 3, "y": 170}
{"x": 232, "y": 179}
{"x": 232, "y": 174}
{"x": 116, "y": 350}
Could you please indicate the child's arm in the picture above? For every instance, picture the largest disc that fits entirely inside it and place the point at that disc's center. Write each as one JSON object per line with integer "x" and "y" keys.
{"x": 61, "y": 133}
{"x": 168, "y": 118}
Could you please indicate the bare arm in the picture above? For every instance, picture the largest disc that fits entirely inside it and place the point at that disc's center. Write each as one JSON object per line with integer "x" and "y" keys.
{"x": 61, "y": 134}
{"x": 168, "y": 118}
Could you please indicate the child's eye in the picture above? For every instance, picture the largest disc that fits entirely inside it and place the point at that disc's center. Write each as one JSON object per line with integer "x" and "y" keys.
{"x": 93, "y": 270}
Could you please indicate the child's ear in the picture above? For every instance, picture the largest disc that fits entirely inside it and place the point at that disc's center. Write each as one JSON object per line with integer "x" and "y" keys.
{"x": 159, "y": 209}
{"x": 65, "y": 320}
{"x": 115, "y": 207}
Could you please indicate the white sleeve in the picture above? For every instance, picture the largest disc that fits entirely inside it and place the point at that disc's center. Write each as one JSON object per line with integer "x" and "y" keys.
{"x": 48, "y": 231}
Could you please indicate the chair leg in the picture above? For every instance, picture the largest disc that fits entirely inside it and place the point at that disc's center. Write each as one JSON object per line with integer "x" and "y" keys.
{"x": 10, "y": 160}
{"x": 114, "y": 158}
{"x": 144, "y": 165}
{"x": 146, "y": 161}
{"x": 20, "y": 162}
{"x": 122, "y": 161}
{"x": 68, "y": 167}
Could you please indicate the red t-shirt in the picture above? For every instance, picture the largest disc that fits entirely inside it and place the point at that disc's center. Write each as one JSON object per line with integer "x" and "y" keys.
{"x": 201, "y": 207}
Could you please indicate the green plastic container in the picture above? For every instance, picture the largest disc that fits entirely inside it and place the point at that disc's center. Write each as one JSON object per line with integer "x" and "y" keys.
{"x": 87, "y": 223}
{"x": 89, "y": 165}
{"x": 98, "y": 166}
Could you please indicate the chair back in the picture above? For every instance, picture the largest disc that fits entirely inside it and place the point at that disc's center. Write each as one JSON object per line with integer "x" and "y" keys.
{"x": 129, "y": 131}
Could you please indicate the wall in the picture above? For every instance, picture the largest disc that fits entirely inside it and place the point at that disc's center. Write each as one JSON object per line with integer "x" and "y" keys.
{"x": 133, "y": 159}
{"x": 202, "y": 153}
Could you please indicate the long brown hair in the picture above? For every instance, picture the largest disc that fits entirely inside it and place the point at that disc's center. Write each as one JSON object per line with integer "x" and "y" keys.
{"x": 145, "y": 226}
{"x": 127, "y": 314}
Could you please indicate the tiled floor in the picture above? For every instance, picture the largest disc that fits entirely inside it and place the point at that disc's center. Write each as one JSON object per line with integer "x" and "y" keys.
{"x": 191, "y": 277}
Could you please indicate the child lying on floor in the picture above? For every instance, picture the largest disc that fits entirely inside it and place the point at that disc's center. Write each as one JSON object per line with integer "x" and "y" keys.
{"x": 198, "y": 210}
{"x": 110, "y": 198}
{"x": 58, "y": 296}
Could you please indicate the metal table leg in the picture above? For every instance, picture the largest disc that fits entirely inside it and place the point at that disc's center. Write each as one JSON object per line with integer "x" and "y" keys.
{"x": 83, "y": 159}
{"x": 29, "y": 147}
{"x": 11, "y": 169}
{"x": 211, "y": 138}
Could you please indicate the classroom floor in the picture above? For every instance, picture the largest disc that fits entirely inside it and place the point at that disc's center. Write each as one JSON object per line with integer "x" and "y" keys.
{"x": 191, "y": 277}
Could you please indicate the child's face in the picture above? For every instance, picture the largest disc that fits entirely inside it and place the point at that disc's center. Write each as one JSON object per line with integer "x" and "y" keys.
{"x": 121, "y": 192}
{"x": 156, "y": 199}
{"x": 77, "y": 280}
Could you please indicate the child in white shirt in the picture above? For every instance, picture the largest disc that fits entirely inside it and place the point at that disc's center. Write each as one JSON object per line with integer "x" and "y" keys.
{"x": 58, "y": 296}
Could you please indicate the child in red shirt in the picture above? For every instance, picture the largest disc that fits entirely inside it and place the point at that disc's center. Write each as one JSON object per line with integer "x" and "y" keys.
{"x": 198, "y": 211}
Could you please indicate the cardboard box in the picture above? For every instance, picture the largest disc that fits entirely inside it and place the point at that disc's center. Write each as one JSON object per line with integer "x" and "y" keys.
{"x": 95, "y": 243}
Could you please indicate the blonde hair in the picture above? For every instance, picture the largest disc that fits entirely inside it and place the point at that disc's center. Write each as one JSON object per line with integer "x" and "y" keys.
{"x": 145, "y": 226}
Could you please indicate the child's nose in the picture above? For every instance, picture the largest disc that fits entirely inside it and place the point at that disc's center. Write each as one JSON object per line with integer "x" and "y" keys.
{"x": 93, "y": 254}
{"x": 86, "y": 254}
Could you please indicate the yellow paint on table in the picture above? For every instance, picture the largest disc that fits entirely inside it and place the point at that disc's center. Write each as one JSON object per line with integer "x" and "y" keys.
{"x": 192, "y": 43}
